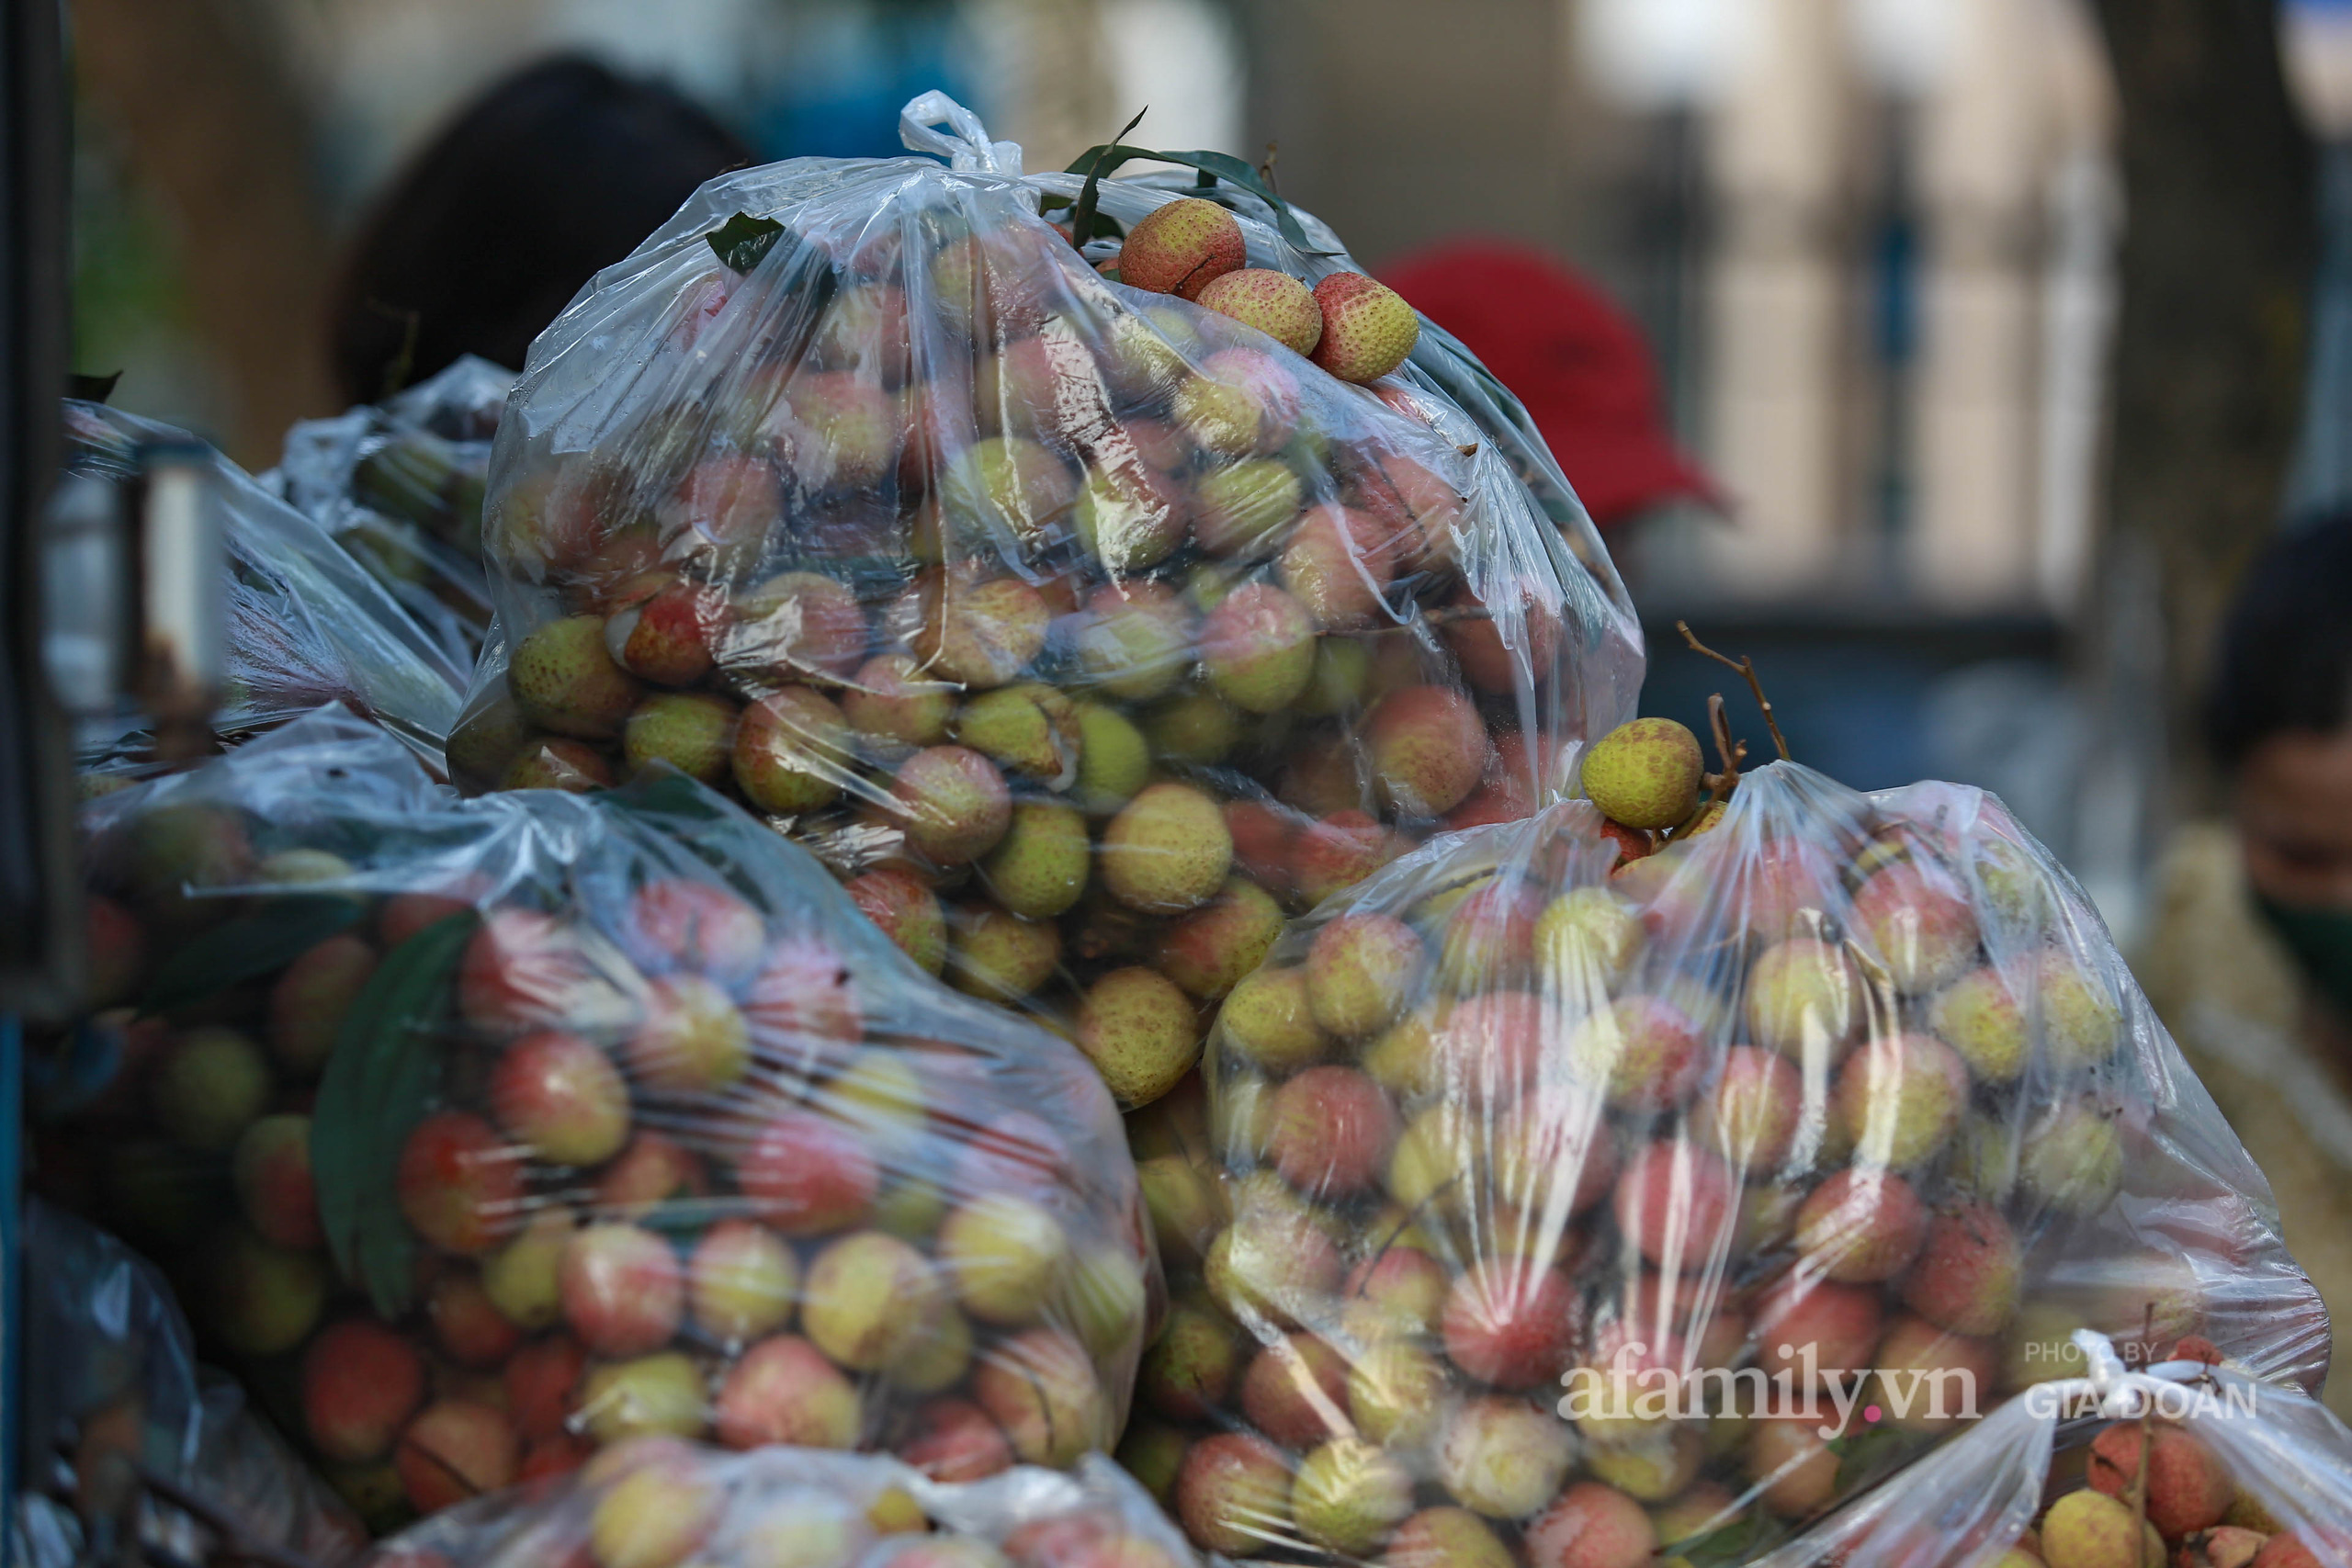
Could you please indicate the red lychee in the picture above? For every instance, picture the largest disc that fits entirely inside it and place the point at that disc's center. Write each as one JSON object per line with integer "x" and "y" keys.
{"x": 1861, "y": 1224}
{"x": 809, "y": 1175}
{"x": 360, "y": 1381}
{"x": 460, "y": 1185}
{"x": 1511, "y": 1323}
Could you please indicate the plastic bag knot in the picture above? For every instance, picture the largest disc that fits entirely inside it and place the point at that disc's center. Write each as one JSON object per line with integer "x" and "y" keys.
{"x": 968, "y": 149}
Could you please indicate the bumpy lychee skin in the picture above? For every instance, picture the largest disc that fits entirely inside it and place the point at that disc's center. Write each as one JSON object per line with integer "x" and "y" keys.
{"x": 1190, "y": 1368}
{"x": 1977, "y": 1016}
{"x": 1642, "y": 1049}
{"x": 1233, "y": 1494}
{"x": 1864, "y": 1223}
{"x": 1182, "y": 248}
{"x": 1349, "y": 1494}
{"x": 563, "y": 678}
{"x": 1274, "y": 302}
{"x": 1750, "y": 1113}
{"x": 1900, "y": 1098}
{"x": 1332, "y": 1131}
{"x": 954, "y": 803}
{"x": 1428, "y": 749}
{"x": 360, "y": 1382}
{"x": 1919, "y": 923}
{"x": 1368, "y": 329}
{"x": 562, "y": 1097}
{"x": 1591, "y": 1525}
{"x": 906, "y": 908}
{"x": 665, "y": 638}
{"x": 1359, "y": 970}
{"x": 1339, "y": 562}
{"x": 1295, "y": 1391}
{"x": 792, "y": 750}
{"x": 2090, "y": 1530}
{"x": 2188, "y": 1488}
{"x": 1138, "y": 1029}
{"x": 1677, "y": 1205}
{"x": 1258, "y": 648}
{"x": 1269, "y": 1021}
{"x": 1209, "y": 950}
{"x": 692, "y": 731}
{"x": 1038, "y": 868}
{"x": 1966, "y": 1277}
{"x": 1446, "y": 1538}
{"x": 1167, "y": 850}
{"x": 868, "y": 1298}
{"x": 891, "y": 699}
{"x": 1241, "y": 509}
{"x": 1510, "y": 1324}
{"x": 1503, "y": 1458}
{"x": 1241, "y": 403}
{"x": 1645, "y": 773}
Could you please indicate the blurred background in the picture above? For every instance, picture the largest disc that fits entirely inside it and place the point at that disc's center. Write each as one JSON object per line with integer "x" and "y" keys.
{"x": 1990, "y": 455}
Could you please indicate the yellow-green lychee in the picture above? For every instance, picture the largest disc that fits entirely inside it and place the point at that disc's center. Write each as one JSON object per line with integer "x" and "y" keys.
{"x": 1114, "y": 760}
{"x": 1349, "y": 1494}
{"x": 1167, "y": 850}
{"x": 1258, "y": 648}
{"x": 1368, "y": 329}
{"x": 1645, "y": 773}
{"x": 1193, "y": 728}
{"x": 1140, "y": 1031}
{"x": 1182, "y": 248}
{"x": 1038, "y": 868}
{"x": 1270, "y": 1021}
{"x": 1240, "y": 510}
{"x": 998, "y": 955}
{"x": 1209, "y": 951}
{"x": 1029, "y": 727}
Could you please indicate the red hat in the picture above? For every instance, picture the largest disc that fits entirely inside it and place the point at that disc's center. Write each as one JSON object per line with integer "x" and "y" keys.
{"x": 1575, "y": 359}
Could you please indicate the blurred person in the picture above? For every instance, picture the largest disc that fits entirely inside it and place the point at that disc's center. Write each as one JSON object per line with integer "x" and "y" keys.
{"x": 1577, "y": 361}
{"x": 483, "y": 238}
{"x": 2250, "y": 963}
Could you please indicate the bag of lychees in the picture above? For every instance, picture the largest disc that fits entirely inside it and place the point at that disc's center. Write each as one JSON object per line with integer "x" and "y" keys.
{"x": 1582, "y": 1187}
{"x": 478, "y": 1135}
{"x": 305, "y": 620}
{"x": 2177, "y": 1462}
{"x": 1087, "y": 623}
{"x": 400, "y": 484}
{"x": 657, "y": 1503}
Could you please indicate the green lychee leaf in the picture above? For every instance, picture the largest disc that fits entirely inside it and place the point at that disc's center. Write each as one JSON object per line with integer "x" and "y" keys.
{"x": 380, "y": 1080}
{"x": 743, "y": 242}
{"x": 1742, "y": 1540}
{"x": 246, "y": 948}
{"x": 1098, "y": 161}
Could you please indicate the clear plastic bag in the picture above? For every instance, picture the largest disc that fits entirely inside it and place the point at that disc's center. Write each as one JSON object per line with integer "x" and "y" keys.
{"x": 658, "y": 1503}
{"x": 482, "y": 1134}
{"x": 1527, "y": 1153}
{"x": 307, "y": 621}
{"x": 125, "y": 1431}
{"x": 2235, "y": 1468}
{"x": 1088, "y": 627}
{"x": 400, "y": 484}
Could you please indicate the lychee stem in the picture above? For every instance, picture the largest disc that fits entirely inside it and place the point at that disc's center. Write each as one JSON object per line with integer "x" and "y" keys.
{"x": 1746, "y": 666}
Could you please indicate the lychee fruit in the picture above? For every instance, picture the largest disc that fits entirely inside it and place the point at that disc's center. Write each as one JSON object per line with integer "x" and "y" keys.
{"x": 1861, "y": 1224}
{"x": 2090, "y": 1530}
{"x": 1004, "y": 1256}
{"x": 624, "y": 1293}
{"x": 1793, "y": 1467}
{"x": 563, "y": 679}
{"x": 1751, "y": 1112}
{"x": 1189, "y": 1369}
{"x": 1677, "y": 1205}
{"x": 908, "y": 912}
{"x": 1040, "y": 1386}
{"x": 1428, "y": 749}
{"x": 1332, "y": 1130}
{"x": 1239, "y": 404}
{"x": 1270, "y": 1021}
{"x": 1244, "y": 508}
{"x": 1977, "y": 1016}
{"x": 1114, "y": 760}
{"x": 1510, "y": 1322}
{"x": 1258, "y": 648}
{"x": 1039, "y": 867}
{"x": 953, "y": 803}
{"x": 1641, "y": 1049}
{"x": 797, "y": 625}
{"x": 209, "y": 1087}
{"x": 1398, "y": 1393}
{"x": 1899, "y": 1098}
{"x": 975, "y": 633}
{"x": 1801, "y": 1001}
{"x": 308, "y": 1002}
{"x": 741, "y": 1283}
{"x": 1966, "y": 1277}
{"x": 954, "y": 1441}
{"x": 2071, "y": 1159}
{"x": 1503, "y": 1458}
{"x": 892, "y": 698}
{"x": 868, "y": 1299}
{"x": 792, "y": 752}
{"x": 275, "y": 1190}
{"x": 2188, "y": 1488}
{"x": 1295, "y": 1391}
{"x": 1446, "y": 1538}
{"x": 806, "y": 1174}
{"x": 562, "y": 1099}
{"x": 1359, "y": 970}
{"x": 1138, "y": 1029}
{"x": 692, "y": 1039}
{"x": 1839, "y": 1325}
{"x": 1919, "y": 923}
{"x": 1368, "y": 329}
{"x": 2072, "y": 1012}
{"x": 460, "y": 1186}
{"x": 1130, "y": 515}
{"x": 1337, "y": 563}
{"x": 1027, "y": 728}
{"x": 1206, "y": 953}
{"x": 1591, "y": 1525}
{"x": 784, "y": 1391}
{"x": 360, "y": 1382}
{"x": 1182, "y": 248}
{"x": 455, "y": 1450}
{"x": 1168, "y": 850}
{"x": 1645, "y": 773}
{"x": 1347, "y": 1495}
{"x": 665, "y": 637}
{"x": 1927, "y": 1378}
{"x": 1233, "y": 1495}
{"x": 1001, "y": 956}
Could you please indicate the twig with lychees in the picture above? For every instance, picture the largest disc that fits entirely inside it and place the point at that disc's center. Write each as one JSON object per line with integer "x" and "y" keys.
{"x": 1746, "y": 666}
